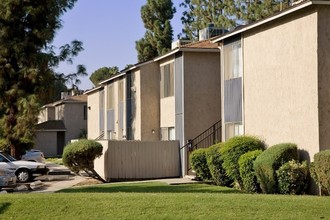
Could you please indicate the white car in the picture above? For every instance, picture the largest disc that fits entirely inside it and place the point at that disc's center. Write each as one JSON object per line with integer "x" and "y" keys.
{"x": 7, "y": 178}
{"x": 24, "y": 170}
{"x": 34, "y": 155}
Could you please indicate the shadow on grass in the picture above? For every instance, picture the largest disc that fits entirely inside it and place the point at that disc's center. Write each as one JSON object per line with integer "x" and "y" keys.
{"x": 153, "y": 187}
{"x": 4, "y": 206}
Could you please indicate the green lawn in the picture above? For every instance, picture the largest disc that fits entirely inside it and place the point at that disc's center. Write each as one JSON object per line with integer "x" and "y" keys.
{"x": 160, "y": 201}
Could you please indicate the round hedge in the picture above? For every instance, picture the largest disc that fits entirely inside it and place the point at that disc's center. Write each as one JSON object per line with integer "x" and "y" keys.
{"x": 81, "y": 154}
{"x": 233, "y": 149}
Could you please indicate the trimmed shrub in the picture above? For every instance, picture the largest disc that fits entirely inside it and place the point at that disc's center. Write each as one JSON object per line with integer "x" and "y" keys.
{"x": 320, "y": 171}
{"x": 233, "y": 149}
{"x": 246, "y": 171}
{"x": 199, "y": 164}
{"x": 292, "y": 177}
{"x": 80, "y": 155}
{"x": 214, "y": 162}
{"x": 271, "y": 160}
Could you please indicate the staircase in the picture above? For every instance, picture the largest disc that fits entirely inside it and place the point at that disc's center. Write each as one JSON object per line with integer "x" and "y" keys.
{"x": 100, "y": 137}
{"x": 207, "y": 138}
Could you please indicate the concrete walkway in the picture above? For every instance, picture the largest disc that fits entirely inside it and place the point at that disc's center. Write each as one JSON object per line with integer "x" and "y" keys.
{"x": 62, "y": 178}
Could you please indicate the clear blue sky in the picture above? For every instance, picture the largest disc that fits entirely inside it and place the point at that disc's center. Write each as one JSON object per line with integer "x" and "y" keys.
{"x": 108, "y": 30}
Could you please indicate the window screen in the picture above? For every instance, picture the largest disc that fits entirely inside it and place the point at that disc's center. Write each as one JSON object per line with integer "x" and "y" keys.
{"x": 167, "y": 80}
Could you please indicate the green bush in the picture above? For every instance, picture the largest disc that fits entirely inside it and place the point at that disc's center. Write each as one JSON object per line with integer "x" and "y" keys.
{"x": 4, "y": 145}
{"x": 320, "y": 171}
{"x": 292, "y": 177}
{"x": 271, "y": 160}
{"x": 80, "y": 155}
{"x": 246, "y": 171}
{"x": 233, "y": 149}
{"x": 199, "y": 164}
{"x": 214, "y": 162}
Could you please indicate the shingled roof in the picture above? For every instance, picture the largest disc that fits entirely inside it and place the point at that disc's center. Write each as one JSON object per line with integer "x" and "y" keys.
{"x": 203, "y": 44}
{"x": 54, "y": 125}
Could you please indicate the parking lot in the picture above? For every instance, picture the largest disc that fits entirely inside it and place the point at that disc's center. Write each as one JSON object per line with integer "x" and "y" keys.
{"x": 59, "y": 177}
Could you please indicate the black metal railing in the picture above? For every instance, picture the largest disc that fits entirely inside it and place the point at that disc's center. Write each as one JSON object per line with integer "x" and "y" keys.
{"x": 101, "y": 136}
{"x": 210, "y": 136}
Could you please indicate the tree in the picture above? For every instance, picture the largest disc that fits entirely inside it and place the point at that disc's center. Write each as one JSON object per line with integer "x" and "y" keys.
{"x": 156, "y": 16}
{"x": 27, "y": 29}
{"x": 200, "y": 13}
{"x": 225, "y": 13}
{"x": 102, "y": 74}
{"x": 80, "y": 155}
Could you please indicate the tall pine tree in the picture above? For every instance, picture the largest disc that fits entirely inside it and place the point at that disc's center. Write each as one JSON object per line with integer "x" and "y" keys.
{"x": 200, "y": 13}
{"x": 26, "y": 30}
{"x": 156, "y": 16}
{"x": 225, "y": 13}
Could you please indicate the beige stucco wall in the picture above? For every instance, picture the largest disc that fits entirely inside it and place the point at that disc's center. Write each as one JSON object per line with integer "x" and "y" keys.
{"x": 74, "y": 120}
{"x": 46, "y": 114}
{"x": 324, "y": 77}
{"x": 280, "y": 81}
{"x": 93, "y": 111}
{"x": 46, "y": 141}
{"x": 150, "y": 102}
{"x": 202, "y": 92}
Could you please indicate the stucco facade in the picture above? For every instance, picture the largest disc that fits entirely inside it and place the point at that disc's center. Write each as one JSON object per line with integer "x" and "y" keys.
{"x": 59, "y": 123}
{"x": 131, "y": 105}
{"x": 95, "y": 126}
{"x": 281, "y": 81}
{"x": 201, "y": 92}
{"x": 286, "y": 79}
{"x": 323, "y": 30}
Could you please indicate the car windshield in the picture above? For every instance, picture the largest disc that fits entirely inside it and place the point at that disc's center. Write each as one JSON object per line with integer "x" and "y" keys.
{"x": 10, "y": 158}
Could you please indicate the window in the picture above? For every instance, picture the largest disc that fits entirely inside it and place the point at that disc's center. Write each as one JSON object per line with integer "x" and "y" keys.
{"x": 233, "y": 60}
{"x": 121, "y": 90}
{"x": 233, "y": 84}
{"x": 85, "y": 112}
{"x": 167, "y": 80}
{"x": 111, "y": 101}
{"x": 168, "y": 134}
{"x": 171, "y": 133}
{"x": 234, "y": 129}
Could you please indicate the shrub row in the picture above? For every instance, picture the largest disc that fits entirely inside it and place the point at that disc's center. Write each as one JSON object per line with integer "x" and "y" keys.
{"x": 320, "y": 171}
{"x": 243, "y": 162}
{"x": 271, "y": 160}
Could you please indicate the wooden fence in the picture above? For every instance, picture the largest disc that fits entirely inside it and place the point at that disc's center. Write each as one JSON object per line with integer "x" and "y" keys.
{"x": 138, "y": 160}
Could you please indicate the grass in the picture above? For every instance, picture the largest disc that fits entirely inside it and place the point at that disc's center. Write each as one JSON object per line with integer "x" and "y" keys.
{"x": 160, "y": 201}
{"x": 54, "y": 160}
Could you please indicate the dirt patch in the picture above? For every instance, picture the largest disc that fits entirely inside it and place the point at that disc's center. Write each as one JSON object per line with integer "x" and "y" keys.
{"x": 89, "y": 181}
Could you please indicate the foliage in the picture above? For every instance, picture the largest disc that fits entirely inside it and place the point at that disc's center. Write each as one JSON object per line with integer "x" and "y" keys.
{"x": 320, "y": 171}
{"x": 156, "y": 16}
{"x": 73, "y": 79}
{"x": 247, "y": 172}
{"x": 199, "y": 164}
{"x": 27, "y": 28}
{"x": 214, "y": 162}
{"x": 225, "y": 13}
{"x": 55, "y": 160}
{"x": 233, "y": 149}
{"x": 271, "y": 160}
{"x": 254, "y": 10}
{"x": 80, "y": 155}
{"x": 199, "y": 14}
{"x": 4, "y": 145}
{"x": 292, "y": 177}
{"x": 102, "y": 74}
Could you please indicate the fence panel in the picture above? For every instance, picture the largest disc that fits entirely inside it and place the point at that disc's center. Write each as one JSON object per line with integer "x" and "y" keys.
{"x": 138, "y": 160}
